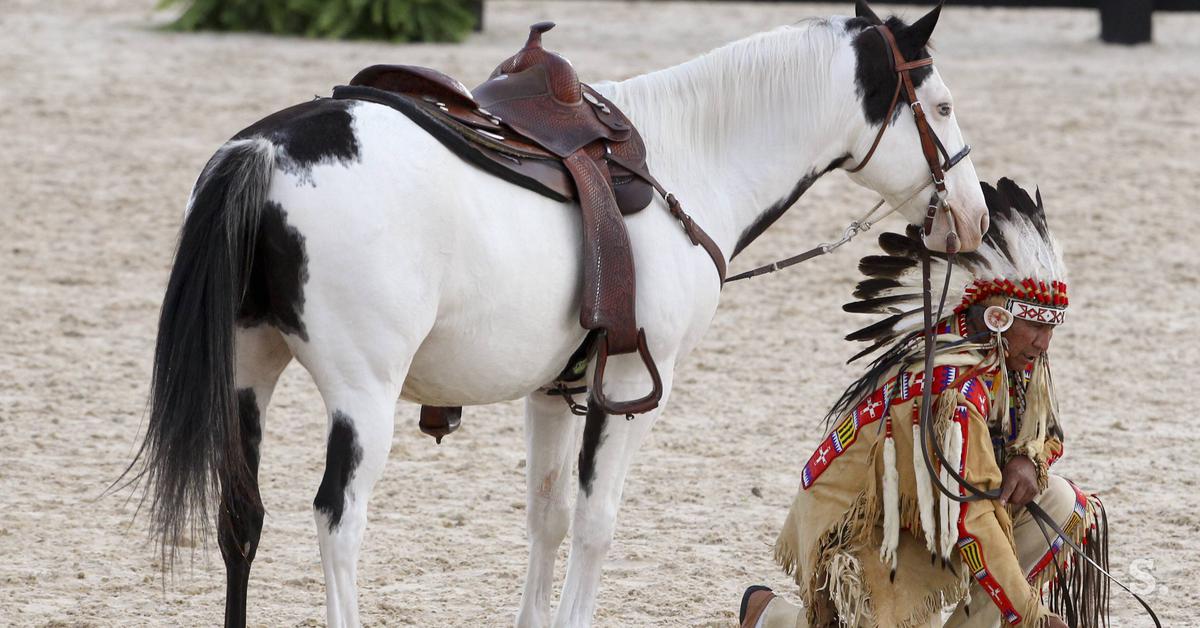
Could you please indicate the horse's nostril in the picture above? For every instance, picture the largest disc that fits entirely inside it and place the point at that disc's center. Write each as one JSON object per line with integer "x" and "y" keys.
{"x": 984, "y": 223}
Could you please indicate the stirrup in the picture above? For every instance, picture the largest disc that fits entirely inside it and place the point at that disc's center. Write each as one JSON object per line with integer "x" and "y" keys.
{"x": 635, "y": 406}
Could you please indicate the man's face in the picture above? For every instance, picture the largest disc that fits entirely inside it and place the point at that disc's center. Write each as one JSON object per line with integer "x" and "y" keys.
{"x": 1027, "y": 341}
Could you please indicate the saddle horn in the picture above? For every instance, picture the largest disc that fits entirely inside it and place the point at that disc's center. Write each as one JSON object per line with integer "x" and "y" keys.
{"x": 535, "y": 34}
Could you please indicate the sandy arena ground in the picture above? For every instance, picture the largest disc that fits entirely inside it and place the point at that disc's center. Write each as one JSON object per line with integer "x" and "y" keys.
{"x": 106, "y": 123}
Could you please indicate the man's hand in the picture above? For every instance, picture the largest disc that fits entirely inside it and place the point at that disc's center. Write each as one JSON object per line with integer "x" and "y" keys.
{"x": 1019, "y": 485}
{"x": 1054, "y": 621}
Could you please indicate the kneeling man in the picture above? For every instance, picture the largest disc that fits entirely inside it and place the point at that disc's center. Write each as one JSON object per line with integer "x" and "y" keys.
{"x": 870, "y": 538}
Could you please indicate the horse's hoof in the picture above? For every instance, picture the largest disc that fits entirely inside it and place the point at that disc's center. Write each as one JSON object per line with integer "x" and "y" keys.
{"x": 754, "y": 602}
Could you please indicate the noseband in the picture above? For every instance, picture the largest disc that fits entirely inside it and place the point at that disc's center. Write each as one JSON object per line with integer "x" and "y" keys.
{"x": 937, "y": 157}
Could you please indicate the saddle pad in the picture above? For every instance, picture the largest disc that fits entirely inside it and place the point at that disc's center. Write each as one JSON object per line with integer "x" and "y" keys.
{"x": 508, "y": 158}
{"x": 542, "y": 175}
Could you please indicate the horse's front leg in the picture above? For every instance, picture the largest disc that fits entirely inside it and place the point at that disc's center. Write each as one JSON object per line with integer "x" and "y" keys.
{"x": 609, "y": 445}
{"x": 551, "y": 440}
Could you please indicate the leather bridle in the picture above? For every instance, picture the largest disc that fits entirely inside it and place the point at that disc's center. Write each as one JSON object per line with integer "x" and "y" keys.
{"x": 937, "y": 157}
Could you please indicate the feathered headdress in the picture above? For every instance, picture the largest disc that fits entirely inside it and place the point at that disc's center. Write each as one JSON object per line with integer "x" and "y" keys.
{"x": 1018, "y": 266}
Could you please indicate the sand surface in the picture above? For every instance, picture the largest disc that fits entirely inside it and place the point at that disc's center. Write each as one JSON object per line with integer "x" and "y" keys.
{"x": 106, "y": 122}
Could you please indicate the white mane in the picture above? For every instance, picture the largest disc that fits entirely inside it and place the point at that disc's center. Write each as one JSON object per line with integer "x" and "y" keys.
{"x": 767, "y": 73}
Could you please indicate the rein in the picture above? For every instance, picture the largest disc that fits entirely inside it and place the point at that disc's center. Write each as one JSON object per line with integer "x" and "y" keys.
{"x": 854, "y": 228}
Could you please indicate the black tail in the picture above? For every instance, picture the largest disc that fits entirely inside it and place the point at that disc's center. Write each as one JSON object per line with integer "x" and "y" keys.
{"x": 192, "y": 450}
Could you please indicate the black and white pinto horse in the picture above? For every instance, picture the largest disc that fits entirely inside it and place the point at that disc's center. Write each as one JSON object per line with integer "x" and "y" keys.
{"x": 340, "y": 234}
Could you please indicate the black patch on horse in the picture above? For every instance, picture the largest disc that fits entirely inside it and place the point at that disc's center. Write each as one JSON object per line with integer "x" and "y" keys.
{"x": 875, "y": 76}
{"x": 593, "y": 437}
{"x": 315, "y": 132}
{"x": 275, "y": 291}
{"x": 342, "y": 457}
{"x": 772, "y": 213}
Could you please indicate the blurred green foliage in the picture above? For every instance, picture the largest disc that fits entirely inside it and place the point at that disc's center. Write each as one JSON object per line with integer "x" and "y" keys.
{"x": 394, "y": 20}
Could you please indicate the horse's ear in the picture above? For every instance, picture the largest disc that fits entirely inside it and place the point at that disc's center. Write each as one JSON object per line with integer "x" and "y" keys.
{"x": 919, "y": 33}
{"x": 861, "y": 9}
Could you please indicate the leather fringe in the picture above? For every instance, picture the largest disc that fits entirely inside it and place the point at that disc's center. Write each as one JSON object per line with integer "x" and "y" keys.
{"x": 844, "y": 535}
{"x": 1079, "y": 593}
{"x": 844, "y": 586}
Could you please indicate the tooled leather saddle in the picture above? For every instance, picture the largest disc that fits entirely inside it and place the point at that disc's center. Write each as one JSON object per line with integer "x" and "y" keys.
{"x": 535, "y": 124}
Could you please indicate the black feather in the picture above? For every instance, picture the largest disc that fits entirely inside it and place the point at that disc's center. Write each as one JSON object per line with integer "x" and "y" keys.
{"x": 876, "y": 330}
{"x": 1025, "y": 205}
{"x": 900, "y": 245}
{"x": 882, "y": 329}
{"x": 879, "y": 305}
{"x": 999, "y": 211}
{"x": 869, "y": 350}
{"x": 885, "y": 266}
{"x": 972, "y": 260}
{"x": 868, "y": 288}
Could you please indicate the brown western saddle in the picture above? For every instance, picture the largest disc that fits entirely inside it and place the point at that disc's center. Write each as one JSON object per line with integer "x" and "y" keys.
{"x": 535, "y": 124}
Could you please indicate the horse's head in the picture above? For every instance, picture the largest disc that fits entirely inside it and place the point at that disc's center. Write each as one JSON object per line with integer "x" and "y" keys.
{"x": 889, "y": 151}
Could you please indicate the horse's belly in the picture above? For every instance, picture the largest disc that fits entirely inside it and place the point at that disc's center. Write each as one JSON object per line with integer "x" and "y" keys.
{"x": 508, "y": 315}
{"x": 454, "y": 370}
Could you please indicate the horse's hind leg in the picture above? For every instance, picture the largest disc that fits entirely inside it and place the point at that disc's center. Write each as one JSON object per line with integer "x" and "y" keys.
{"x": 360, "y": 383}
{"x": 359, "y": 439}
{"x": 261, "y": 357}
{"x": 551, "y": 439}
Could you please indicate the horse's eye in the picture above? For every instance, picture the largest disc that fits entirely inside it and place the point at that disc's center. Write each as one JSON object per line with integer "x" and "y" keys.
{"x": 944, "y": 109}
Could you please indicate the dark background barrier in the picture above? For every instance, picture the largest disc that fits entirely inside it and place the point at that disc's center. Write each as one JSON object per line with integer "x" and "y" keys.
{"x": 1157, "y": 5}
{"x": 1121, "y": 21}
